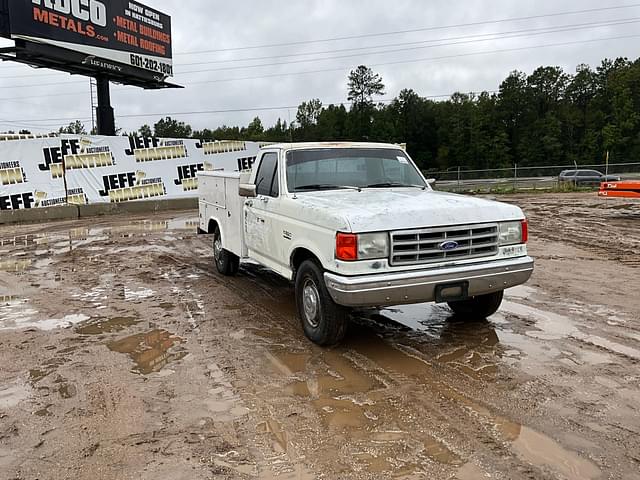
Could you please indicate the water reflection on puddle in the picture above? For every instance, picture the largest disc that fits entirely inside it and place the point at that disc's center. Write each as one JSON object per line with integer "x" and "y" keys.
{"x": 19, "y": 253}
{"x": 353, "y": 400}
{"x": 355, "y": 389}
{"x": 19, "y": 316}
{"x": 356, "y": 393}
{"x": 150, "y": 351}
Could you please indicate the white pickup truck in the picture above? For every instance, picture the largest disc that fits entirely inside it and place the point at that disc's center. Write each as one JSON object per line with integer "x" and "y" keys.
{"x": 357, "y": 225}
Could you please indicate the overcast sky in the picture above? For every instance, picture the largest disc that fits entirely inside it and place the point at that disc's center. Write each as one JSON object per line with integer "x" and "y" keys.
{"x": 206, "y": 25}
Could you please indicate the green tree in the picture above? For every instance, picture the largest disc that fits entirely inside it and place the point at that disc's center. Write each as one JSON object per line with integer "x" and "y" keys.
{"x": 363, "y": 85}
{"x": 309, "y": 113}
{"x": 255, "y": 130}
{"x": 546, "y": 118}
{"x": 171, "y": 128}
{"x": 74, "y": 128}
{"x": 332, "y": 123}
{"x": 145, "y": 131}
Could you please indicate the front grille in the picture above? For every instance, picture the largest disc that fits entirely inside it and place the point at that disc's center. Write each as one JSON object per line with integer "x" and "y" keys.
{"x": 412, "y": 247}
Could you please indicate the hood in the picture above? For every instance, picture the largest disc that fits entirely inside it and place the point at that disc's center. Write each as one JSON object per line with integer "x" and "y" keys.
{"x": 374, "y": 210}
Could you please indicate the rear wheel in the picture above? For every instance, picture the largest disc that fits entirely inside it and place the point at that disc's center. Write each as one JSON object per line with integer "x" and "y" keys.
{"x": 478, "y": 307}
{"x": 324, "y": 322}
{"x": 226, "y": 262}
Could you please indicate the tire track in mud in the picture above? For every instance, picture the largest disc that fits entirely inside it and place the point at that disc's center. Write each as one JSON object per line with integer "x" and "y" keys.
{"x": 456, "y": 433}
{"x": 449, "y": 401}
{"x": 607, "y": 228}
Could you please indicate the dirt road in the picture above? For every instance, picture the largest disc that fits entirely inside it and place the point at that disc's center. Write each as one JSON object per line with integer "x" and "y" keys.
{"x": 124, "y": 356}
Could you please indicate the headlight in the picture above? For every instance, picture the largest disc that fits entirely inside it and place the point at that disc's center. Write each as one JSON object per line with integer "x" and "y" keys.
{"x": 373, "y": 245}
{"x": 511, "y": 233}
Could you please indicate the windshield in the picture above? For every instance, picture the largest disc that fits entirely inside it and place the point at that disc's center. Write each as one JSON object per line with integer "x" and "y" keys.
{"x": 340, "y": 168}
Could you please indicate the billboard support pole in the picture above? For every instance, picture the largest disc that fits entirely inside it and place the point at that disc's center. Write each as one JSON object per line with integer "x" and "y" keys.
{"x": 105, "y": 116}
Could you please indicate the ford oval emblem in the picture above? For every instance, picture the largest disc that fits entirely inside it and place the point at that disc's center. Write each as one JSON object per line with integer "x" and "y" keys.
{"x": 448, "y": 246}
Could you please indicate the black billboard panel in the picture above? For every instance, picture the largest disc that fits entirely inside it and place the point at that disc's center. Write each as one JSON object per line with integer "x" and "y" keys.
{"x": 120, "y": 32}
{"x": 4, "y": 19}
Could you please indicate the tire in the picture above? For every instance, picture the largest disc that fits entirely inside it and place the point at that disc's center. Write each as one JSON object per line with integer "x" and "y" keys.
{"x": 479, "y": 307}
{"x": 324, "y": 322}
{"x": 226, "y": 262}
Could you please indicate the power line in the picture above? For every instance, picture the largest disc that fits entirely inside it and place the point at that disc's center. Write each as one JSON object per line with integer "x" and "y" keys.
{"x": 338, "y": 69}
{"x": 462, "y": 55}
{"x": 232, "y": 110}
{"x": 415, "y": 30}
{"x": 417, "y": 60}
{"x": 474, "y": 38}
{"x": 551, "y": 29}
{"x": 41, "y": 85}
{"x": 24, "y": 125}
{"x": 382, "y": 52}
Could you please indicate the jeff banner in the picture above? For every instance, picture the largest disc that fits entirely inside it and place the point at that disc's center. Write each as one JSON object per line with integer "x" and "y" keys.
{"x": 122, "y": 31}
{"x": 95, "y": 169}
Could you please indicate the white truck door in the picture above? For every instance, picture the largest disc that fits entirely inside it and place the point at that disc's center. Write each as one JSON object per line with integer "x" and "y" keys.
{"x": 260, "y": 211}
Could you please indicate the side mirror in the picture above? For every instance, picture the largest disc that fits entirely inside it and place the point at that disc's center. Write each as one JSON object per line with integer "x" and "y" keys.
{"x": 247, "y": 190}
{"x": 431, "y": 181}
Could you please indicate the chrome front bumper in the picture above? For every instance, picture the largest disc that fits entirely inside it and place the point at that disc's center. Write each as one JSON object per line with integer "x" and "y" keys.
{"x": 420, "y": 286}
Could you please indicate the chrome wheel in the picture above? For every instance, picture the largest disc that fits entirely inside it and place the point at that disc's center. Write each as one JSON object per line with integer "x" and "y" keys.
{"x": 217, "y": 249}
{"x": 310, "y": 302}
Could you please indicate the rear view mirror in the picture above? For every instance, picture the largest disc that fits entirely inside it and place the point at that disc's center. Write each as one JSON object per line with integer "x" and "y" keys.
{"x": 247, "y": 190}
{"x": 431, "y": 181}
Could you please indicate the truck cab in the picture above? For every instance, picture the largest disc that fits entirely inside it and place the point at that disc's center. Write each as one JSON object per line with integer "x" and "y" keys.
{"x": 358, "y": 225}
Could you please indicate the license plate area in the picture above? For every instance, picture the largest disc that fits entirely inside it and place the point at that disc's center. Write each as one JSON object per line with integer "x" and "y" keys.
{"x": 451, "y": 292}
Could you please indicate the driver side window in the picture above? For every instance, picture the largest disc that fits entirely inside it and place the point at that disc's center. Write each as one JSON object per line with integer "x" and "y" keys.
{"x": 267, "y": 178}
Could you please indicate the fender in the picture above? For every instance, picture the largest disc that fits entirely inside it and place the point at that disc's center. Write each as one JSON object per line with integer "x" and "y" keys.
{"x": 298, "y": 246}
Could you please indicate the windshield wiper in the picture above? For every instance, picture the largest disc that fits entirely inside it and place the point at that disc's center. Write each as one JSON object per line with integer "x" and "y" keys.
{"x": 395, "y": 184}
{"x": 326, "y": 186}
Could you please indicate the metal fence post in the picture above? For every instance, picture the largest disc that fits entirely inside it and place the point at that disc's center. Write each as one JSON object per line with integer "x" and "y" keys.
{"x": 458, "y": 177}
{"x": 515, "y": 177}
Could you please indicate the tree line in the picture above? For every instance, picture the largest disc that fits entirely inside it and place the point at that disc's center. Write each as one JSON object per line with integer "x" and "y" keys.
{"x": 549, "y": 117}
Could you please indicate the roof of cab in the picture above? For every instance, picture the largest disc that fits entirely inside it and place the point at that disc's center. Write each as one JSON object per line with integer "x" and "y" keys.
{"x": 310, "y": 145}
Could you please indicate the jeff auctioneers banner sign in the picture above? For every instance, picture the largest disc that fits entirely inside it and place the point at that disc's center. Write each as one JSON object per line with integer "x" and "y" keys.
{"x": 122, "y": 31}
{"x": 33, "y": 172}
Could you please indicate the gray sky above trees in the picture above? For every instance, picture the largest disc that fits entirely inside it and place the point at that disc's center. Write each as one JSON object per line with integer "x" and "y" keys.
{"x": 199, "y": 25}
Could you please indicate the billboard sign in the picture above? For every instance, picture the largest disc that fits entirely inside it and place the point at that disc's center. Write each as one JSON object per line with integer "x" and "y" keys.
{"x": 84, "y": 169}
{"x": 120, "y": 32}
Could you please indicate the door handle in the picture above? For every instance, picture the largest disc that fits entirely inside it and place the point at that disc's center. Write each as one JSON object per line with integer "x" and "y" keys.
{"x": 264, "y": 199}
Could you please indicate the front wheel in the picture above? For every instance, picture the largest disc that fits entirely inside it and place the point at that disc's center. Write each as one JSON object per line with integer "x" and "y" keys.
{"x": 226, "y": 262}
{"x": 324, "y": 322}
{"x": 478, "y": 307}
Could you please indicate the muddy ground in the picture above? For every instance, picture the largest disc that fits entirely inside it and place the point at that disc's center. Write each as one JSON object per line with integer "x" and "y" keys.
{"x": 124, "y": 356}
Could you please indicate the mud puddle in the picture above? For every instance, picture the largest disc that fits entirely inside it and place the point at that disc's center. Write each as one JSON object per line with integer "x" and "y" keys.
{"x": 151, "y": 351}
{"x": 101, "y": 326}
{"x": 21, "y": 253}
{"x": 351, "y": 390}
{"x": 400, "y": 348}
{"x": 21, "y": 317}
{"x": 13, "y": 394}
{"x": 552, "y": 326}
{"x": 540, "y": 390}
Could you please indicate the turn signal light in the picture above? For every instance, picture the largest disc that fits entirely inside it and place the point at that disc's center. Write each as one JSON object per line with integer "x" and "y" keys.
{"x": 525, "y": 231}
{"x": 347, "y": 247}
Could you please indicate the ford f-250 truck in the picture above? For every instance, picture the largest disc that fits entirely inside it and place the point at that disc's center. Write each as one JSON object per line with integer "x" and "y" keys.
{"x": 357, "y": 225}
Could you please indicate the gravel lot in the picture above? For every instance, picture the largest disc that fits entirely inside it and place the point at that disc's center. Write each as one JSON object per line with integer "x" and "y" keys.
{"x": 125, "y": 356}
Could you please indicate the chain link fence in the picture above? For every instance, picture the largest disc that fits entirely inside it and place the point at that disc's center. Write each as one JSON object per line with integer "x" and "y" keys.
{"x": 516, "y": 178}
